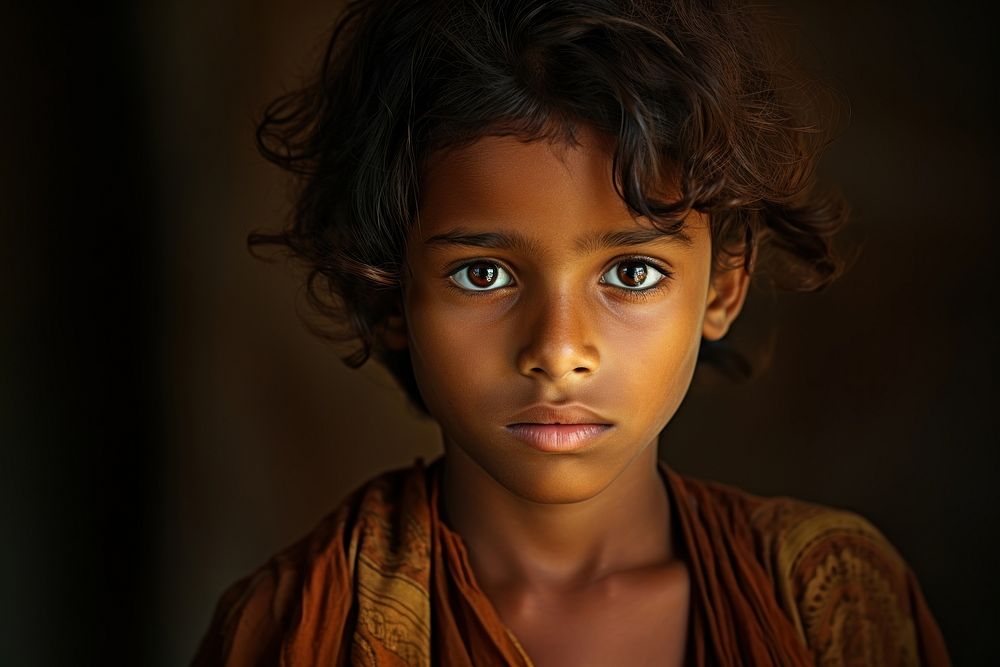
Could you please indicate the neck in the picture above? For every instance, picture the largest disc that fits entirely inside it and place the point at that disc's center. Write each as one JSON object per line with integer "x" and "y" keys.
{"x": 526, "y": 544}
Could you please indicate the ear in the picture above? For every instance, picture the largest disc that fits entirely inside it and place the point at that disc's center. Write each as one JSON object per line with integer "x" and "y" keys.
{"x": 391, "y": 332}
{"x": 727, "y": 291}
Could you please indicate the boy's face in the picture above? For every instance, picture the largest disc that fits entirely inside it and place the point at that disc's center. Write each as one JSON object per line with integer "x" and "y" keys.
{"x": 523, "y": 292}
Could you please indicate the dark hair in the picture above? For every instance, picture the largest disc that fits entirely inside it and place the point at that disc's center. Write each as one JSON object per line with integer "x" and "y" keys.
{"x": 698, "y": 88}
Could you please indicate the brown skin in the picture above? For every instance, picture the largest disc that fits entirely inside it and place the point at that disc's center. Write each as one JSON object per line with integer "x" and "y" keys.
{"x": 575, "y": 549}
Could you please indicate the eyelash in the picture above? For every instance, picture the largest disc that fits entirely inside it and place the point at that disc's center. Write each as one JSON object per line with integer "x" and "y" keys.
{"x": 634, "y": 294}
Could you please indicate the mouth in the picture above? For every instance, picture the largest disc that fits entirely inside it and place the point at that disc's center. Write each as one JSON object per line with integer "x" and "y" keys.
{"x": 558, "y": 429}
{"x": 558, "y": 437}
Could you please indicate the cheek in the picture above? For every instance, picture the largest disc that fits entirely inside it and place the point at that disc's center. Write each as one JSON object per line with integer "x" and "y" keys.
{"x": 454, "y": 354}
{"x": 654, "y": 350}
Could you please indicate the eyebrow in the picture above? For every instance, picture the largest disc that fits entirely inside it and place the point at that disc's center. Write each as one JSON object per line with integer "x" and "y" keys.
{"x": 586, "y": 244}
{"x": 629, "y": 237}
{"x": 461, "y": 237}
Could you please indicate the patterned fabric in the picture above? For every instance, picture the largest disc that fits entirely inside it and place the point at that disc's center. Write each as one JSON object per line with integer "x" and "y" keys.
{"x": 383, "y": 581}
{"x": 845, "y": 588}
{"x": 841, "y": 587}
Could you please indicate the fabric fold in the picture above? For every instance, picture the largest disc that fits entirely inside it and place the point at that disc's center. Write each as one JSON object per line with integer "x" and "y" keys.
{"x": 383, "y": 580}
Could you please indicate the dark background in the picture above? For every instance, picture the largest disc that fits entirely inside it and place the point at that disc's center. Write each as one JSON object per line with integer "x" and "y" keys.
{"x": 166, "y": 422}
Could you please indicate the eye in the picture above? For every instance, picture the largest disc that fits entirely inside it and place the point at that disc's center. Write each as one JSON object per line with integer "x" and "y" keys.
{"x": 633, "y": 274}
{"x": 481, "y": 276}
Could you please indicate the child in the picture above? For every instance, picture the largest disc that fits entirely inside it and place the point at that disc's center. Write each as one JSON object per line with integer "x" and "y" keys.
{"x": 539, "y": 216}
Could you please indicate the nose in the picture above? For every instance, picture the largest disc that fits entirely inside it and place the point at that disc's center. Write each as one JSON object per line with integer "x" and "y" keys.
{"x": 559, "y": 342}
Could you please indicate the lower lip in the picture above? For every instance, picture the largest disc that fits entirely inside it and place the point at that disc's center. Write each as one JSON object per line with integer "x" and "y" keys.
{"x": 558, "y": 437}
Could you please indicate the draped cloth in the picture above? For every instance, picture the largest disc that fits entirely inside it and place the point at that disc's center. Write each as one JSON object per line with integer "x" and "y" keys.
{"x": 775, "y": 582}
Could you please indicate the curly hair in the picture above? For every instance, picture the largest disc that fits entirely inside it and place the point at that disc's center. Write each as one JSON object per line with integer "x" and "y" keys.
{"x": 697, "y": 88}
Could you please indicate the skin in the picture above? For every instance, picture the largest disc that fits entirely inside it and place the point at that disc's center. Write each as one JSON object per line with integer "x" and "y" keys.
{"x": 575, "y": 549}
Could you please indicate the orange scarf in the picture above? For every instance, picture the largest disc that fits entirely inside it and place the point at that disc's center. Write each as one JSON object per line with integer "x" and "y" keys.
{"x": 383, "y": 581}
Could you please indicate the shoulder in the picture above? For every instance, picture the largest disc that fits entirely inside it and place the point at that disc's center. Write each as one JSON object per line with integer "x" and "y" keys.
{"x": 847, "y": 590}
{"x": 305, "y": 590}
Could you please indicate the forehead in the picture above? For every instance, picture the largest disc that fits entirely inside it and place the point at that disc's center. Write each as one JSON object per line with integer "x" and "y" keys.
{"x": 539, "y": 188}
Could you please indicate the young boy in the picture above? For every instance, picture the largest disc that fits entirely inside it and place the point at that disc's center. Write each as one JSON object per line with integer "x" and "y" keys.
{"x": 534, "y": 213}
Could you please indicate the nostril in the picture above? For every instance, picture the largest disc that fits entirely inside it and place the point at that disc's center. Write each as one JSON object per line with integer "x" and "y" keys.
{"x": 578, "y": 369}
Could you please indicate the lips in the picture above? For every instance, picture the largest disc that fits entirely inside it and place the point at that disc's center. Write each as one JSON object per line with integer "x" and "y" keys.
{"x": 558, "y": 429}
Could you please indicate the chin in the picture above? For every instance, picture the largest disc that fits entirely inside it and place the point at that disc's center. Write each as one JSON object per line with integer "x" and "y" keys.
{"x": 553, "y": 479}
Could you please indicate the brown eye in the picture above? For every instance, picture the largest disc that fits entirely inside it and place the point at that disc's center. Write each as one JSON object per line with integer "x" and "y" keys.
{"x": 632, "y": 274}
{"x": 635, "y": 275}
{"x": 481, "y": 276}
